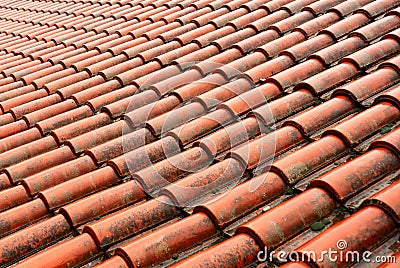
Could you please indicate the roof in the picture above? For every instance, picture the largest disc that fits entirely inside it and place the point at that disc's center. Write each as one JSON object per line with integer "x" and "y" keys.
{"x": 138, "y": 133}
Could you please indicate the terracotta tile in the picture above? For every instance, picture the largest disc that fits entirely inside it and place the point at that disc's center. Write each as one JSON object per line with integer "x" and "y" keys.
{"x": 120, "y": 145}
{"x": 274, "y": 5}
{"x": 389, "y": 142}
{"x": 59, "y": 174}
{"x": 322, "y": 115}
{"x": 263, "y": 23}
{"x": 39, "y": 163}
{"x": 13, "y": 197}
{"x": 150, "y": 68}
{"x": 198, "y": 56}
{"x": 243, "y": 21}
{"x": 99, "y": 28}
{"x": 160, "y": 15}
{"x": 177, "y": 14}
{"x": 386, "y": 199}
{"x": 79, "y": 86}
{"x": 146, "y": 257}
{"x": 165, "y": 86}
{"x": 87, "y": 94}
{"x": 225, "y": 210}
{"x": 274, "y": 47}
{"x": 15, "y": 65}
{"x": 236, "y": 65}
{"x": 346, "y": 25}
{"x": 289, "y": 218}
{"x": 131, "y": 15}
{"x": 171, "y": 34}
{"x": 101, "y": 39}
{"x": 267, "y": 69}
{"x": 369, "y": 85}
{"x": 75, "y": 188}
{"x": 377, "y": 28}
{"x": 41, "y": 46}
{"x": 83, "y": 35}
{"x": 367, "y": 123}
{"x": 115, "y": 261}
{"x": 188, "y": 37}
{"x": 68, "y": 62}
{"x": 207, "y": 17}
{"x": 8, "y": 58}
{"x": 69, "y": 51}
{"x": 291, "y": 22}
{"x": 322, "y": 82}
{"x": 375, "y": 9}
{"x": 6, "y": 105}
{"x": 130, "y": 221}
{"x": 161, "y": 173}
{"x": 73, "y": 252}
{"x": 97, "y": 136}
{"x": 93, "y": 39}
{"x": 113, "y": 43}
{"x": 150, "y": 54}
{"x": 22, "y": 215}
{"x": 201, "y": 126}
{"x": 240, "y": 250}
{"x": 375, "y": 52}
{"x": 114, "y": 70}
{"x": 106, "y": 201}
{"x": 191, "y": 189}
{"x": 301, "y": 51}
{"x": 62, "y": 119}
{"x": 12, "y": 128}
{"x": 186, "y": 19}
{"x": 264, "y": 148}
{"x": 34, "y": 237}
{"x": 80, "y": 127}
{"x": 223, "y": 93}
{"x": 296, "y": 166}
{"x": 221, "y": 21}
{"x": 296, "y": 74}
{"x": 359, "y": 237}
{"x": 349, "y": 179}
{"x": 12, "y": 47}
{"x": 127, "y": 29}
{"x": 250, "y": 99}
{"x": 27, "y": 151}
{"x": 60, "y": 39}
{"x": 4, "y": 182}
{"x": 118, "y": 108}
{"x": 19, "y": 139}
{"x": 6, "y": 119}
{"x": 168, "y": 118}
{"x": 393, "y": 63}
{"x": 144, "y": 156}
{"x": 56, "y": 75}
{"x": 194, "y": 89}
{"x": 168, "y": 57}
{"x": 53, "y": 87}
{"x": 296, "y": 6}
{"x": 318, "y": 7}
{"x": 337, "y": 51}
{"x": 120, "y": 26}
{"x": 60, "y": 55}
{"x": 25, "y": 69}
